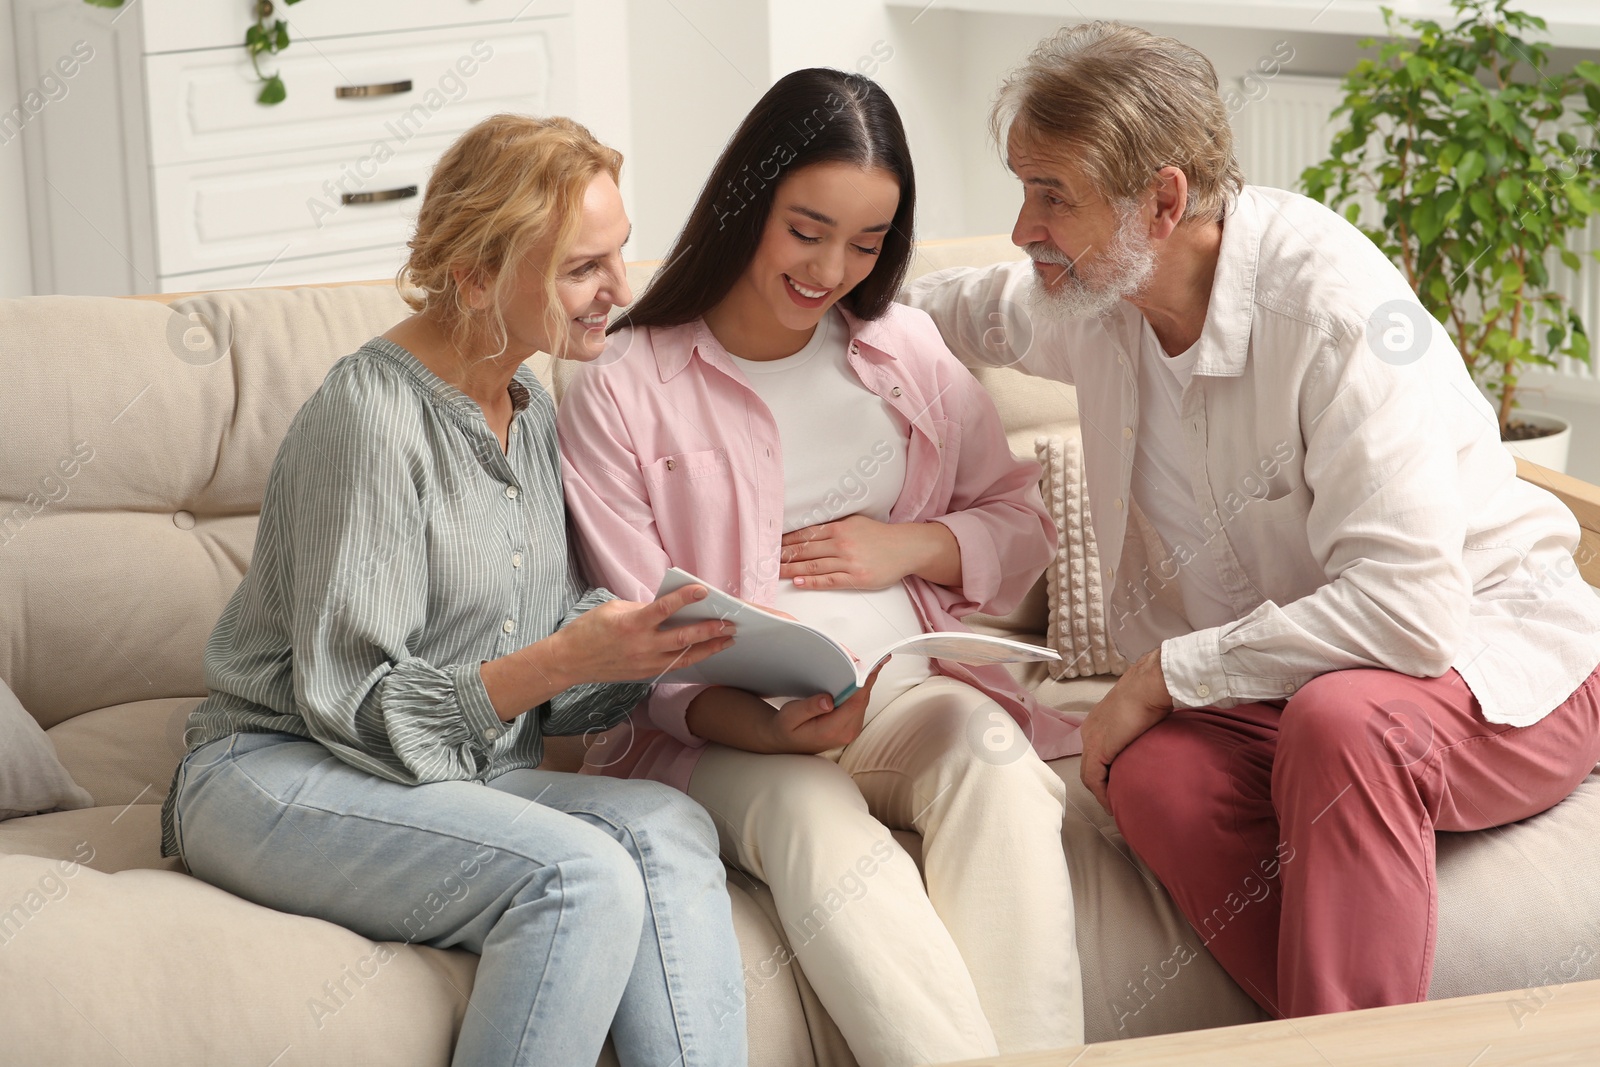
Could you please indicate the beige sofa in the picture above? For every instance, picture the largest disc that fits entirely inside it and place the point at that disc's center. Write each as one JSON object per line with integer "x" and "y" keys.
{"x": 111, "y": 954}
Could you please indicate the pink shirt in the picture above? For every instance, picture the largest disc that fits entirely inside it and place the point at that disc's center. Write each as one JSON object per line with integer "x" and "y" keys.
{"x": 670, "y": 459}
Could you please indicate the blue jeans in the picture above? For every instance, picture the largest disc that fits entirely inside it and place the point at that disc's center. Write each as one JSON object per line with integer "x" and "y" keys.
{"x": 595, "y": 903}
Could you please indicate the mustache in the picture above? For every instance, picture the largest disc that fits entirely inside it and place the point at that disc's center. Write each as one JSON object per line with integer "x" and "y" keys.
{"x": 1044, "y": 253}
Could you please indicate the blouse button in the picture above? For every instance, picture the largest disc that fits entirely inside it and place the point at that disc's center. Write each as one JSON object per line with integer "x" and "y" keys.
{"x": 670, "y": 464}
{"x": 1117, "y": 503}
{"x": 1202, "y": 690}
{"x": 490, "y": 734}
{"x": 1288, "y": 687}
{"x": 895, "y": 391}
{"x": 511, "y": 492}
{"x": 516, "y": 559}
{"x": 1127, "y": 432}
{"x": 509, "y": 626}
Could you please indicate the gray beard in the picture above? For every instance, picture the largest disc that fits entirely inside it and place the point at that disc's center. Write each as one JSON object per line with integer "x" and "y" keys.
{"x": 1121, "y": 270}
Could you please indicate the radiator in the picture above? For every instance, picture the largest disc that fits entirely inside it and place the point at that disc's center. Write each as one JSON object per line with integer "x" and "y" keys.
{"x": 1281, "y": 126}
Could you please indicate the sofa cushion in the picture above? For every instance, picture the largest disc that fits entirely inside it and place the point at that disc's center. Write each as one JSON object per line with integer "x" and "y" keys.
{"x": 122, "y": 837}
{"x": 1519, "y": 906}
{"x": 201, "y": 976}
{"x": 72, "y": 883}
{"x": 135, "y": 499}
{"x": 32, "y": 778}
{"x": 1146, "y": 970}
{"x": 126, "y": 754}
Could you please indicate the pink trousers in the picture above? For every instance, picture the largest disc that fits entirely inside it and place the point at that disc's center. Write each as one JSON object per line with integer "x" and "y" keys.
{"x": 1298, "y": 841}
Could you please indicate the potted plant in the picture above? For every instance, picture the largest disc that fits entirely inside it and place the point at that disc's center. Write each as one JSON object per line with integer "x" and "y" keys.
{"x": 1471, "y": 163}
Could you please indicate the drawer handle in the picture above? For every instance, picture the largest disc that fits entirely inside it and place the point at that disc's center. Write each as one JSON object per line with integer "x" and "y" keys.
{"x": 405, "y": 192}
{"x": 345, "y": 92}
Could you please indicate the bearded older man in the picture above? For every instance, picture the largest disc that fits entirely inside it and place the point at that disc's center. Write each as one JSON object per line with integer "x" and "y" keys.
{"x": 1350, "y": 624}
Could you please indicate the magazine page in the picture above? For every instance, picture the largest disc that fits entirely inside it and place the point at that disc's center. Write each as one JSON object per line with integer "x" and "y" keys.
{"x": 771, "y": 656}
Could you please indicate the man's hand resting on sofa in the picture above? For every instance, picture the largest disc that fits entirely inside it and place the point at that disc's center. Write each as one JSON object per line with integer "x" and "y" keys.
{"x": 1137, "y": 702}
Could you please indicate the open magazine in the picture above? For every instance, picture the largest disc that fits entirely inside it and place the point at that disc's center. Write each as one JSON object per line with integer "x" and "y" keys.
{"x": 773, "y": 656}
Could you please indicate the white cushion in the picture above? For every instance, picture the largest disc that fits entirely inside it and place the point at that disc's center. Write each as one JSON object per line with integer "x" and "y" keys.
{"x": 32, "y": 778}
{"x": 1078, "y": 628}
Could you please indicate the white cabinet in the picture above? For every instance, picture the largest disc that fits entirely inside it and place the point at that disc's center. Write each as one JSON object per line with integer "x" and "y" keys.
{"x": 151, "y": 168}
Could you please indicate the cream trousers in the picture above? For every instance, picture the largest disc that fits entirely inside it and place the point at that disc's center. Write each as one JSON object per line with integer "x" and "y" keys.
{"x": 982, "y": 961}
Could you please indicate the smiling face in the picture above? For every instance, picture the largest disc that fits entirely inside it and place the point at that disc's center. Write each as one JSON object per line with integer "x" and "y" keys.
{"x": 590, "y": 280}
{"x": 821, "y": 239}
{"x": 1087, "y": 252}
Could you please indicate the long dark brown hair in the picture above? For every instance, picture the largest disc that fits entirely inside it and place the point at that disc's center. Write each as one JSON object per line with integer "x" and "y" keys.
{"x": 817, "y": 115}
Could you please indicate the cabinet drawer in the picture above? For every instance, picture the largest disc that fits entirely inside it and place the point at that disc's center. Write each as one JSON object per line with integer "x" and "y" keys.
{"x": 241, "y": 212}
{"x": 365, "y": 265}
{"x": 203, "y": 104}
{"x": 179, "y": 25}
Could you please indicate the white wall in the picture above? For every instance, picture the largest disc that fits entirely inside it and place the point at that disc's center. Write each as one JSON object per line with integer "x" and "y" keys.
{"x": 995, "y": 44}
{"x": 16, "y": 272}
{"x": 696, "y": 67}
{"x": 606, "y": 88}
{"x": 912, "y": 62}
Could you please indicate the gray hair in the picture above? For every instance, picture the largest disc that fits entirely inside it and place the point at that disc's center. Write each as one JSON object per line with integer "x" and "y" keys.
{"x": 1122, "y": 103}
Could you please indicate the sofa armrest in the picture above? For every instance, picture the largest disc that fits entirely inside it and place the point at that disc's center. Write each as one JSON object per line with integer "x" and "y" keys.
{"x": 1584, "y": 501}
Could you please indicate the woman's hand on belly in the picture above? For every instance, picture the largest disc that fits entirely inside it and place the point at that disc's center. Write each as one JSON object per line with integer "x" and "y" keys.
{"x": 861, "y": 553}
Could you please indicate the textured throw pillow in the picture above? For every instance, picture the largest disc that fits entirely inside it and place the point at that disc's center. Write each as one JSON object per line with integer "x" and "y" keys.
{"x": 31, "y": 777}
{"x": 1078, "y": 628}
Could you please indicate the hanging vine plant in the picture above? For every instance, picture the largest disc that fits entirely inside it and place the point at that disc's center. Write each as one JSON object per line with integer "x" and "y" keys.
{"x": 262, "y": 37}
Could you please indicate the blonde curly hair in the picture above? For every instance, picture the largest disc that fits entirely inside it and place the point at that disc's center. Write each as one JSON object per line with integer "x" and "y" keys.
{"x": 509, "y": 185}
{"x": 1122, "y": 103}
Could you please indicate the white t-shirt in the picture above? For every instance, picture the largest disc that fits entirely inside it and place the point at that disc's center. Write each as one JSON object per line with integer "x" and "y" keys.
{"x": 1161, "y": 485}
{"x": 844, "y": 453}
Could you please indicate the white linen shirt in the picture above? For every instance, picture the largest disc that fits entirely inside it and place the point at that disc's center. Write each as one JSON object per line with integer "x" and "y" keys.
{"x": 1363, "y": 510}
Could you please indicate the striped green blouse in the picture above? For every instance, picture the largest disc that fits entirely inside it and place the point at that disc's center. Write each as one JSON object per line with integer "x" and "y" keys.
{"x": 398, "y": 548}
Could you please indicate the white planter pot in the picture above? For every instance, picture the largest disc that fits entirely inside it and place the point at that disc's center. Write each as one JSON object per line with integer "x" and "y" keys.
{"x": 1550, "y": 451}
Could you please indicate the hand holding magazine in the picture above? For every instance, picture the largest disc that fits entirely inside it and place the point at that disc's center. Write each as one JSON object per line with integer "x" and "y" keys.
{"x": 772, "y": 656}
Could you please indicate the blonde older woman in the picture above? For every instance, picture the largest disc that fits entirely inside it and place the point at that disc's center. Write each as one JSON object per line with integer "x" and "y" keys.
{"x": 411, "y": 627}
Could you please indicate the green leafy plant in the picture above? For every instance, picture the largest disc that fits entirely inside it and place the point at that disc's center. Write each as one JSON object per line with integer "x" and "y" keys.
{"x": 1482, "y": 164}
{"x": 260, "y": 38}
